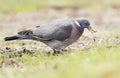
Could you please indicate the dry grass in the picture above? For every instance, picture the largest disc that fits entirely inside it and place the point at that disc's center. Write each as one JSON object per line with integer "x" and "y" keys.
{"x": 84, "y": 59}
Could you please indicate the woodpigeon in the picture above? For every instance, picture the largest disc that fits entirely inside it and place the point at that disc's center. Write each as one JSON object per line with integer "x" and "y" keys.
{"x": 56, "y": 34}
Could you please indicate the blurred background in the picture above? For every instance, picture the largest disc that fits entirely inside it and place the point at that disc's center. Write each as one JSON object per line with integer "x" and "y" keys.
{"x": 87, "y": 58}
{"x": 23, "y": 14}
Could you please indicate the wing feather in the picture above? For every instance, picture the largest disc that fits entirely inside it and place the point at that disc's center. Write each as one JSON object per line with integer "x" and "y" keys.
{"x": 48, "y": 33}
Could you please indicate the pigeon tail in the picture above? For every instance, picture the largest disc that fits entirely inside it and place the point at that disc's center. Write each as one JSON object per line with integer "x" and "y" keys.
{"x": 11, "y": 38}
{"x": 26, "y": 34}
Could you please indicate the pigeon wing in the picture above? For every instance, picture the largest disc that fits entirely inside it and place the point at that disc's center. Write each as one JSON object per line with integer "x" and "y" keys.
{"x": 49, "y": 33}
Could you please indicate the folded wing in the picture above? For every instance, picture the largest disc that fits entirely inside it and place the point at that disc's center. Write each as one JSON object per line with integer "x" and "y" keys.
{"x": 49, "y": 33}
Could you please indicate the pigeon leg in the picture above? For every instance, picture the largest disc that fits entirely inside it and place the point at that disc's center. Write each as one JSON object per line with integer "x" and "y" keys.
{"x": 64, "y": 50}
{"x": 57, "y": 51}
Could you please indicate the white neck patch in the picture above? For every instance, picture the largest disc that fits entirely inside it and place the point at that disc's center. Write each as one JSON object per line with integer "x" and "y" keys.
{"x": 77, "y": 23}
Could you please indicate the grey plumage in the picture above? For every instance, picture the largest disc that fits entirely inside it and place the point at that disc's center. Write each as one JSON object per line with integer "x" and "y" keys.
{"x": 57, "y": 35}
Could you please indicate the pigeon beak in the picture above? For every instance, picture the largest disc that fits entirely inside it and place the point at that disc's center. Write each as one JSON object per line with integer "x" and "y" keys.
{"x": 91, "y": 30}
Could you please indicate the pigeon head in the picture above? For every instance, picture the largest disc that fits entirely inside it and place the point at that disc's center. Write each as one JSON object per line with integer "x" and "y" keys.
{"x": 84, "y": 23}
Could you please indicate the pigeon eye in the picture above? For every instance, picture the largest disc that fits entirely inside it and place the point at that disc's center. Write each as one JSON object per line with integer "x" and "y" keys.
{"x": 87, "y": 24}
